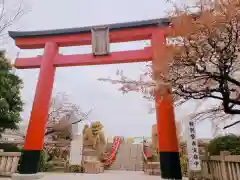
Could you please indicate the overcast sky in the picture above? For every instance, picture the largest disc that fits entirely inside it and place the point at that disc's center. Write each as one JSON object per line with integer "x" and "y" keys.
{"x": 125, "y": 115}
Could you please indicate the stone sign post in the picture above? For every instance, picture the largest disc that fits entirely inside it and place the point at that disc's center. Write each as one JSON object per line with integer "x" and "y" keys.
{"x": 76, "y": 147}
{"x": 194, "y": 163}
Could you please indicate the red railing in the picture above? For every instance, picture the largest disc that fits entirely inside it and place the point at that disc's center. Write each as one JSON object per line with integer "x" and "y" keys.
{"x": 145, "y": 156}
{"x": 116, "y": 143}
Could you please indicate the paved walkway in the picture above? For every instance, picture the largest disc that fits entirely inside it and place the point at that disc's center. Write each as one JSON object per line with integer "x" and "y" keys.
{"x": 107, "y": 175}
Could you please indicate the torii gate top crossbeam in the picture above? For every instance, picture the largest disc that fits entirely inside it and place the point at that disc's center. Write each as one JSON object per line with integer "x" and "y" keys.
{"x": 120, "y": 32}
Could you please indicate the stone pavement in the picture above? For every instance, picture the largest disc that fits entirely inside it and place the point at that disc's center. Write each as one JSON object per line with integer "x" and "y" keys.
{"x": 107, "y": 175}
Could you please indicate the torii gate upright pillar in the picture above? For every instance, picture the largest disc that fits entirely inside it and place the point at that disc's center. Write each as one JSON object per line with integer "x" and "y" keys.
{"x": 51, "y": 40}
{"x": 167, "y": 137}
{"x": 36, "y": 130}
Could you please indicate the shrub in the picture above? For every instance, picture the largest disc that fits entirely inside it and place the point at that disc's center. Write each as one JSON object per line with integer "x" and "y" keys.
{"x": 229, "y": 143}
{"x": 43, "y": 164}
{"x": 154, "y": 157}
{"x": 8, "y": 147}
{"x": 76, "y": 169}
{"x": 184, "y": 165}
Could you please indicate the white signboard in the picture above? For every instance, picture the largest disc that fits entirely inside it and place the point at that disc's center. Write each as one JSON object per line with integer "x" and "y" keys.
{"x": 192, "y": 147}
{"x": 175, "y": 41}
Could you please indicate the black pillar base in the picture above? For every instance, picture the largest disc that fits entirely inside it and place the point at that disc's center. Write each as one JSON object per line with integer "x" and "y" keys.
{"x": 29, "y": 162}
{"x": 170, "y": 165}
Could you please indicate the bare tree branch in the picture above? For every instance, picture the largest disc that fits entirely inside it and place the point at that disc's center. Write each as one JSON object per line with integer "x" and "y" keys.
{"x": 230, "y": 125}
{"x": 10, "y": 13}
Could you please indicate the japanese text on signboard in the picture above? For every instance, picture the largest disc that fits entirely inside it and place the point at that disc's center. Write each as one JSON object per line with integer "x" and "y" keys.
{"x": 192, "y": 146}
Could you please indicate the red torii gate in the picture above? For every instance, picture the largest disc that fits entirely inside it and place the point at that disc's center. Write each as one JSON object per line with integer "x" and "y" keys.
{"x": 51, "y": 40}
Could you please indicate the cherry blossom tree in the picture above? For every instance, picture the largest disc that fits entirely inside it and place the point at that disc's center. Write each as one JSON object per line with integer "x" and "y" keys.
{"x": 203, "y": 61}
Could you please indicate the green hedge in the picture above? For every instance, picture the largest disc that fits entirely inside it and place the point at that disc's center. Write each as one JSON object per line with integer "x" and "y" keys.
{"x": 229, "y": 143}
{"x": 8, "y": 147}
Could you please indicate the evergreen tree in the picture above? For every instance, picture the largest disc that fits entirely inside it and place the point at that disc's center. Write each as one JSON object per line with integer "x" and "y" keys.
{"x": 10, "y": 99}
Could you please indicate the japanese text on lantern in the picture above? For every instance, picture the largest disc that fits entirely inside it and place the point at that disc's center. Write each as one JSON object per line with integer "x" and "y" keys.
{"x": 192, "y": 147}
